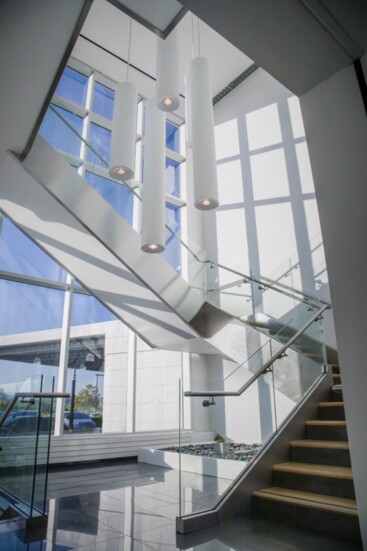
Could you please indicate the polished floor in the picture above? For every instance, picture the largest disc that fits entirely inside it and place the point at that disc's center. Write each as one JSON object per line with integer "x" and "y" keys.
{"x": 126, "y": 506}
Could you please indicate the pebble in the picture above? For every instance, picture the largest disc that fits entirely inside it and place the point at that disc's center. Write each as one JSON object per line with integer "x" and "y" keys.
{"x": 237, "y": 451}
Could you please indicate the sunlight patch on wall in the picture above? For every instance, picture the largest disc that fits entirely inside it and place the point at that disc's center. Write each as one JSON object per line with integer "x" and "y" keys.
{"x": 269, "y": 175}
{"x": 230, "y": 186}
{"x": 296, "y": 117}
{"x": 232, "y": 241}
{"x": 276, "y": 235}
{"x": 226, "y": 139}
{"x": 263, "y": 127}
{"x": 304, "y": 168}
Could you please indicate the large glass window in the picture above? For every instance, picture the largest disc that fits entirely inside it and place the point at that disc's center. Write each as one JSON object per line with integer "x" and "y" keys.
{"x": 73, "y": 86}
{"x": 172, "y": 252}
{"x": 20, "y": 255}
{"x": 30, "y": 317}
{"x": 172, "y": 177}
{"x": 100, "y": 140}
{"x": 103, "y": 101}
{"x": 117, "y": 195}
{"x": 172, "y": 136}
{"x": 59, "y": 135}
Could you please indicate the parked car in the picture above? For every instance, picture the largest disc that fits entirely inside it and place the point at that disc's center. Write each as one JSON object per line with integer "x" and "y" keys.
{"x": 97, "y": 418}
{"x": 24, "y": 424}
{"x": 82, "y": 421}
{"x": 20, "y": 413}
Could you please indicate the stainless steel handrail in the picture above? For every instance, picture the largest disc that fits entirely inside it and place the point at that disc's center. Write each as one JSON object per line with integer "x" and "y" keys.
{"x": 212, "y": 393}
{"x": 30, "y": 395}
{"x": 291, "y": 292}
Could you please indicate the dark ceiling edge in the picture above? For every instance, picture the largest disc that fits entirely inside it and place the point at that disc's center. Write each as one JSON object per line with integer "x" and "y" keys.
{"x": 361, "y": 81}
{"x": 162, "y": 34}
{"x": 235, "y": 82}
{"x": 74, "y": 36}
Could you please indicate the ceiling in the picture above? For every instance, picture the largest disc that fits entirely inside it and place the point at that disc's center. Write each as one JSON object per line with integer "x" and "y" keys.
{"x": 108, "y": 27}
{"x": 160, "y": 16}
{"x": 299, "y": 42}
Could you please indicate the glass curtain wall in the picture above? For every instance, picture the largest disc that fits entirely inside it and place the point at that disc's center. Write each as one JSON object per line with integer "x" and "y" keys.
{"x": 109, "y": 375}
{"x": 84, "y": 99}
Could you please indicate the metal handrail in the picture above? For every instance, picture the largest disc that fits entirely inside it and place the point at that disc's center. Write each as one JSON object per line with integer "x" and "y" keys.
{"x": 30, "y": 395}
{"x": 290, "y": 292}
{"x": 212, "y": 393}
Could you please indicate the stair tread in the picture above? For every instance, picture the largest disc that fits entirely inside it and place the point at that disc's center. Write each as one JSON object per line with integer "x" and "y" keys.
{"x": 335, "y": 375}
{"x": 335, "y": 444}
{"x": 331, "y": 404}
{"x": 326, "y": 423}
{"x": 309, "y": 499}
{"x": 330, "y": 471}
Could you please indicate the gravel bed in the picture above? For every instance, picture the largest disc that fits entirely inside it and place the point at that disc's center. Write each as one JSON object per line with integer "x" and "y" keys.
{"x": 237, "y": 452}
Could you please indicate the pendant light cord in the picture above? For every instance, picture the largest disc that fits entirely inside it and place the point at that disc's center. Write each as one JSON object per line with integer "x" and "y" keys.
{"x": 128, "y": 53}
{"x": 199, "y": 36}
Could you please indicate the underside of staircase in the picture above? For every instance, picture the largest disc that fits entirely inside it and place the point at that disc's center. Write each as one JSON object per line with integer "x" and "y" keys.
{"x": 315, "y": 489}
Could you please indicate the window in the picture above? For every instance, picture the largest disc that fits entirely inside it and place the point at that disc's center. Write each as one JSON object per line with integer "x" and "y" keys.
{"x": 59, "y": 135}
{"x": 103, "y": 101}
{"x": 73, "y": 86}
{"x": 172, "y": 177}
{"x": 172, "y": 137}
{"x": 100, "y": 140}
{"x": 117, "y": 195}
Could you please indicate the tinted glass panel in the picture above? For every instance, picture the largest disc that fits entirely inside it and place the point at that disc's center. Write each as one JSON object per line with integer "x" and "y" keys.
{"x": 172, "y": 251}
{"x": 87, "y": 309}
{"x": 58, "y": 134}
{"x": 117, "y": 195}
{"x": 73, "y": 86}
{"x": 100, "y": 140}
{"x": 172, "y": 177}
{"x": 103, "y": 101}
{"x": 172, "y": 137}
{"x": 20, "y": 255}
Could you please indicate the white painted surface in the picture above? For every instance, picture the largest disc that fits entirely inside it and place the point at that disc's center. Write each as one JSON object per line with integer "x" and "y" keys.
{"x": 336, "y": 129}
{"x": 210, "y": 466}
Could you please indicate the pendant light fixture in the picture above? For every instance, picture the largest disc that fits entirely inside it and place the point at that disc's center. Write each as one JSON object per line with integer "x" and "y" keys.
{"x": 153, "y": 207}
{"x": 122, "y": 156}
{"x": 168, "y": 73}
{"x": 201, "y": 121}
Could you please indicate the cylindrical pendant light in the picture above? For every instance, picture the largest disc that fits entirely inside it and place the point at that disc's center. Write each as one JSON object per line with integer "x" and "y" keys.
{"x": 202, "y": 136}
{"x": 122, "y": 157}
{"x": 153, "y": 208}
{"x": 168, "y": 73}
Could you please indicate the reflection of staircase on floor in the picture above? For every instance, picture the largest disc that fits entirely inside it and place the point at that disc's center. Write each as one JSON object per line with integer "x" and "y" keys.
{"x": 315, "y": 489}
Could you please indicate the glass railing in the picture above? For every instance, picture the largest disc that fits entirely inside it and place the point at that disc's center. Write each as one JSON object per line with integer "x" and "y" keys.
{"x": 243, "y": 411}
{"x": 270, "y": 306}
{"x": 25, "y": 431}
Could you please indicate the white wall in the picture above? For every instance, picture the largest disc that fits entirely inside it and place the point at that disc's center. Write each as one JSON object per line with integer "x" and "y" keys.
{"x": 268, "y": 213}
{"x": 336, "y": 129}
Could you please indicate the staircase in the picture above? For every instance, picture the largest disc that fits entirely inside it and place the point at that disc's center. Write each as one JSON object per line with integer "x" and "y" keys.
{"x": 315, "y": 488}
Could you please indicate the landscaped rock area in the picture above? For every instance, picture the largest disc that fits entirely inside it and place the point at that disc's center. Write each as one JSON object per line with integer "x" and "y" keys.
{"x": 237, "y": 452}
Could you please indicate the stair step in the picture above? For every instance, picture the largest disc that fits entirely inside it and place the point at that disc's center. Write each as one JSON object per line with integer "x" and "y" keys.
{"x": 313, "y": 511}
{"x": 332, "y": 410}
{"x": 309, "y": 499}
{"x": 324, "y": 429}
{"x": 326, "y": 423}
{"x": 312, "y": 469}
{"x": 321, "y": 452}
{"x": 325, "y": 444}
{"x": 309, "y": 477}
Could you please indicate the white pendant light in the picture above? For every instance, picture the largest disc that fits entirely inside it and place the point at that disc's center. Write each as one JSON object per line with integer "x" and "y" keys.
{"x": 168, "y": 73}
{"x": 153, "y": 208}
{"x": 122, "y": 155}
{"x": 202, "y": 136}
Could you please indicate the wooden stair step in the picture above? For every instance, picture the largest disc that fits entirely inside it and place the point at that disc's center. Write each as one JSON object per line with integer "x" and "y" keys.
{"x": 326, "y": 423}
{"x": 310, "y": 500}
{"x": 329, "y": 471}
{"x": 331, "y": 404}
{"x": 326, "y": 444}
